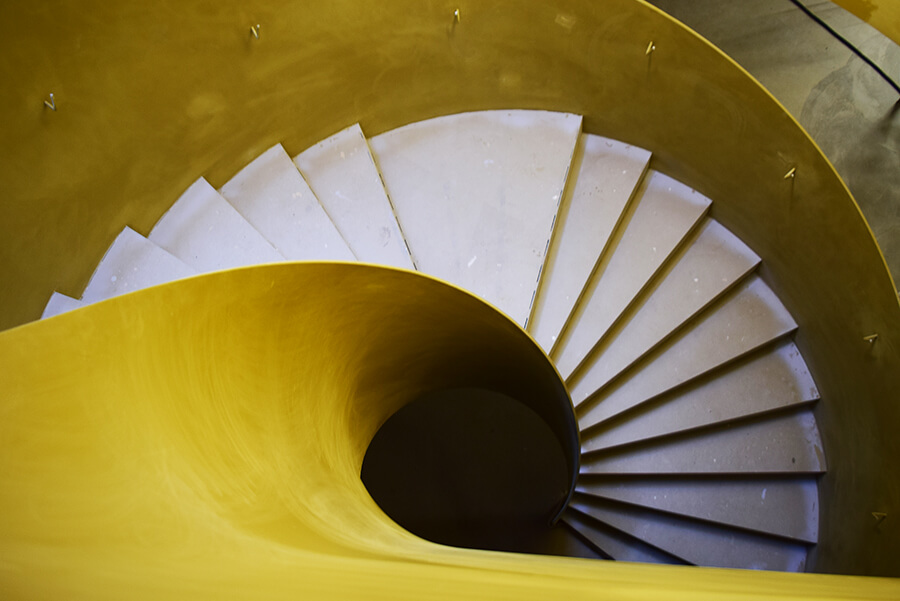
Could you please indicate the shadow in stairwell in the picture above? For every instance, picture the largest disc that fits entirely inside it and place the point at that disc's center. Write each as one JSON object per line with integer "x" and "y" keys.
{"x": 472, "y": 468}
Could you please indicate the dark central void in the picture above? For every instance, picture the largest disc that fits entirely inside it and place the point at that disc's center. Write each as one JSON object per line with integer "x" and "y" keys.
{"x": 471, "y": 468}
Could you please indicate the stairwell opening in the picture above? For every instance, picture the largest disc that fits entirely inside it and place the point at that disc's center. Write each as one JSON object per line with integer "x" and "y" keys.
{"x": 470, "y": 467}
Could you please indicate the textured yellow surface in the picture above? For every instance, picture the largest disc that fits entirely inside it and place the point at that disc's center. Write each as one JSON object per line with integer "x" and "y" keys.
{"x": 151, "y": 96}
{"x": 203, "y": 440}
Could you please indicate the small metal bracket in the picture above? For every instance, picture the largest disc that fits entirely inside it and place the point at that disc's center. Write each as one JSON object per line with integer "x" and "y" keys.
{"x": 254, "y": 31}
{"x": 790, "y": 174}
{"x": 50, "y": 104}
{"x": 879, "y": 516}
{"x": 456, "y": 16}
{"x": 871, "y": 338}
{"x": 650, "y": 48}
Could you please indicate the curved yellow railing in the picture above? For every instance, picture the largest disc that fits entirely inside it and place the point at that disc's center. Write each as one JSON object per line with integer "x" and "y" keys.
{"x": 203, "y": 439}
{"x": 150, "y": 96}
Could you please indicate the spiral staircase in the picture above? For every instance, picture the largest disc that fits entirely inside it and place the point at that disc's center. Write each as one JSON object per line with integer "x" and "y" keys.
{"x": 662, "y": 349}
{"x": 697, "y": 437}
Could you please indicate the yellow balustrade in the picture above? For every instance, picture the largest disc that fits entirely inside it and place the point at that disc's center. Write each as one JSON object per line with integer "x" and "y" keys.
{"x": 150, "y": 96}
{"x": 203, "y": 439}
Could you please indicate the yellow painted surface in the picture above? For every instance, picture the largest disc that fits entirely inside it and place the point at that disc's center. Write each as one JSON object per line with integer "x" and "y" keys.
{"x": 883, "y": 15}
{"x": 152, "y": 95}
{"x": 203, "y": 440}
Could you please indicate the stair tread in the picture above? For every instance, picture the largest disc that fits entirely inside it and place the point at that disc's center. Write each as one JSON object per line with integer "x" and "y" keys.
{"x": 476, "y": 195}
{"x": 615, "y": 544}
{"x": 665, "y": 213}
{"x": 713, "y": 262}
{"x": 782, "y": 507}
{"x": 603, "y": 178}
{"x": 275, "y": 199}
{"x": 208, "y": 234}
{"x": 341, "y": 172}
{"x": 131, "y": 263}
{"x": 60, "y": 303}
{"x": 697, "y": 542}
{"x": 781, "y": 444}
{"x": 775, "y": 379}
{"x": 742, "y": 321}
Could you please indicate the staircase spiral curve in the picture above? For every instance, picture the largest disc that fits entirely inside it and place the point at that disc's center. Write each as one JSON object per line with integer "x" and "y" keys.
{"x": 698, "y": 442}
{"x": 203, "y": 437}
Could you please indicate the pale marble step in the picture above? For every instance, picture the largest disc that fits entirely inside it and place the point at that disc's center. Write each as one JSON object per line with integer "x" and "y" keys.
{"x": 780, "y": 507}
{"x": 274, "y": 198}
{"x": 208, "y": 234}
{"x": 131, "y": 263}
{"x": 782, "y": 444}
{"x": 697, "y": 542}
{"x": 342, "y": 174}
{"x": 664, "y": 216}
{"x": 602, "y": 180}
{"x": 60, "y": 303}
{"x": 709, "y": 266}
{"x": 747, "y": 318}
{"x": 476, "y": 196}
{"x": 774, "y": 380}
{"x": 615, "y": 544}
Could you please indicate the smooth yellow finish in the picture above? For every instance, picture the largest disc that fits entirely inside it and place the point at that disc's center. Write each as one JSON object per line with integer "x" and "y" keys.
{"x": 203, "y": 440}
{"x": 150, "y": 96}
{"x": 883, "y": 15}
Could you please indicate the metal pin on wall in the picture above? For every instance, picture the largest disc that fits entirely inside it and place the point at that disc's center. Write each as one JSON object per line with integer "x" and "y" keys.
{"x": 650, "y": 48}
{"x": 50, "y": 104}
{"x": 456, "y": 16}
{"x": 790, "y": 174}
{"x": 254, "y": 31}
{"x": 871, "y": 338}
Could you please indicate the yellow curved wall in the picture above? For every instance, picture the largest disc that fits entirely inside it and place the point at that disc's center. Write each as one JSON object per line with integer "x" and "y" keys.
{"x": 203, "y": 439}
{"x": 152, "y": 95}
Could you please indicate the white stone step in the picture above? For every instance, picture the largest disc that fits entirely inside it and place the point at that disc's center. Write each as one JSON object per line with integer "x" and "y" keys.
{"x": 746, "y": 319}
{"x": 615, "y": 544}
{"x": 60, "y": 303}
{"x": 131, "y": 263}
{"x": 208, "y": 234}
{"x": 776, "y": 506}
{"x": 709, "y": 265}
{"x": 784, "y": 444}
{"x": 697, "y": 542}
{"x": 774, "y": 380}
{"x": 275, "y": 199}
{"x": 664, "y": 216}
{"x": 603, "y": 178}
{"x": 476, "y": 196}
{"x": 341, "y": 172}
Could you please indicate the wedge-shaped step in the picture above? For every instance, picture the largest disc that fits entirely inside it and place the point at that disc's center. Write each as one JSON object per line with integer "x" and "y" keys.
{"x": 697, "y": 542}
{"x": 783, "y": 444}
{"x": 616, "y": 545}
{"x": 709, "y": 266}
{"x": 476, "y": 195}
{"x": 665, "y": 214}
{"x": 749, "y": 317}
{"x": 602, "y": 180}
{"x": 777, "y": 506}
{"x": 131, "y": 263}
{"x": 60, "y": 303}
{"x": 769, "y": 381}
{"x": 208, "y": 234}
{"x": 342, "y": 174}
{"x": 274, "y": 198}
